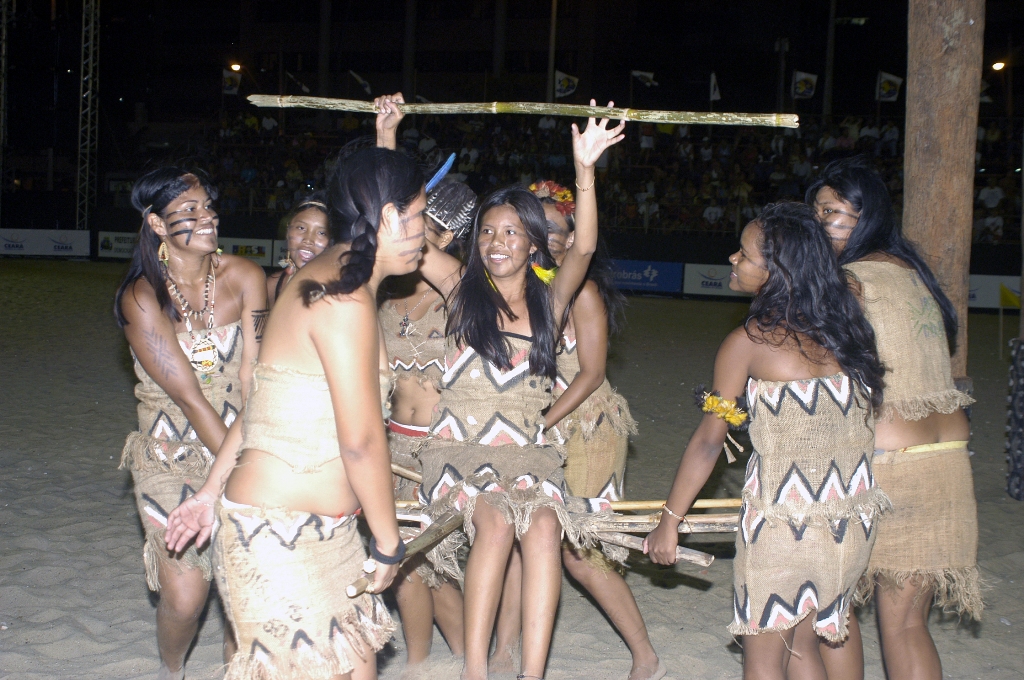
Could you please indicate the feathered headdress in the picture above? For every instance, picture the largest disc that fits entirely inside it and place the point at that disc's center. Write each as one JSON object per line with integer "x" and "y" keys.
{"x": 565, "y": 202}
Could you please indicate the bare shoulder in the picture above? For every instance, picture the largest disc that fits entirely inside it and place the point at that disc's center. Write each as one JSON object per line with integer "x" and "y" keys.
{"x": 738, "y": 340}
{"x": 241, "y": 269}
{"x": 589, "y": 298}
{"x": 139, "y": 301}
{"x": 882, "y": 256}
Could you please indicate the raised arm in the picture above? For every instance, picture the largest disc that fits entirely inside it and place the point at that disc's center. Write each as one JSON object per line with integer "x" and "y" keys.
{"x": 389, "y": 117}
{"x": 732, "y": 366}
{"x": 347, "y": 343}
{"x": 441, "y": 270}
{"x": 587, "y": 147}
{"x": 151, "y": 336}
{"x": 590, "y": 321}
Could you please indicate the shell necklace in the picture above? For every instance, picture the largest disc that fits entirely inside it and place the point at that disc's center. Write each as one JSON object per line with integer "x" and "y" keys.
{"x": 203, "y": 354}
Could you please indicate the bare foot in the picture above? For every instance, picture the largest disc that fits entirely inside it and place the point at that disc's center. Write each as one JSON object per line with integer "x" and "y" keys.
{"x": 503, "y": 660}
{"x": 167, "y": 674}
{"x": 647, "y": 671}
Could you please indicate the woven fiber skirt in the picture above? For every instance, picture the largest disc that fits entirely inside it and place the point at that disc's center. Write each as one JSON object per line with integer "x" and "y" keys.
{"x": 931, "y": 535}
{"x": 164, "y": 474}
{"x": 282, "y": 576}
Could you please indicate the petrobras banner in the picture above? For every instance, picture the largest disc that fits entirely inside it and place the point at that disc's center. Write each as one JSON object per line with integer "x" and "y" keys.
{"x": 119, "y": 244}
{"x": 655, "y": 277}
{"x": 52, "y": 242}
{"x": 708, "y": 279}
{"x": 987, "y": 292}
{"x": 259, "y": 250}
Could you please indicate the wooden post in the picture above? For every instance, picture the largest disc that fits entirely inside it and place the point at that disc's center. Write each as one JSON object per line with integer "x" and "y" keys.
{"x": 944, "y": 59}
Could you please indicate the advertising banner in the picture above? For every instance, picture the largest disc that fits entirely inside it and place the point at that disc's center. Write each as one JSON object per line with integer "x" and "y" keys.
{"x": 259, "y": 250}
{"x": 986, "y": 291}
{"x": 708, "y": 279}
{"x": 52, "y": 242}
{"x": 655, "y": 277}
{"x": 117, "y": 244}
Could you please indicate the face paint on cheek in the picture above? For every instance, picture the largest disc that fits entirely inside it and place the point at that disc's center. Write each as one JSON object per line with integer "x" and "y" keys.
{"x": 188, "y": 239}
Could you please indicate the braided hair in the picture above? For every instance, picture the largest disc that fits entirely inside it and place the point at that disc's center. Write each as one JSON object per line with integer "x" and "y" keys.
{"x": 152, "y": 193}
{"x": 360, "y": 187}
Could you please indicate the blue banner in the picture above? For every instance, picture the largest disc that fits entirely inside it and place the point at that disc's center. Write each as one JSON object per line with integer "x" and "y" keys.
{"x": 656, "y": 277}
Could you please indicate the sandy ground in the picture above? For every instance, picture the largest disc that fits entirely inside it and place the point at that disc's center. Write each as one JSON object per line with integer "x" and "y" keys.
{"x": 73, "y": 598}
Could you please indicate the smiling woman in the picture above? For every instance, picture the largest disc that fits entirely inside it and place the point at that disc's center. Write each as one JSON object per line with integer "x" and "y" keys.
{"x": 307, "y": 236}
{"x": 194, "y": 371}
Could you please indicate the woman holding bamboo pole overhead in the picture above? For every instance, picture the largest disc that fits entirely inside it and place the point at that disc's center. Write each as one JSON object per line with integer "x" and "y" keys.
{"x": 413, "y": 318}
{"x": 595, "y": 422}
{"x": 487, "y": 441}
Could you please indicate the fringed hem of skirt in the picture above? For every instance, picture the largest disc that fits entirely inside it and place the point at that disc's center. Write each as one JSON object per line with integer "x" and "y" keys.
{"x": 921, "y": 407}
{"x": 597, "y": 409}
{"x": 138, "y": 456}
{"x": 443, "y": 562}
{"x": 517, "y": 507}
{"x": 957, "y": 591}
{"x": 154, "y": 547}
{"x": 360, "y": 634}
{"x": 870, "y": 504}
{"x": 840, "y": 635}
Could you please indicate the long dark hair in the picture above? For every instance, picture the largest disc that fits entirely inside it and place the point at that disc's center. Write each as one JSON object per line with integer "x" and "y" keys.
{"x": 854, "y": 180}
{"x": 316, "y": 200}
{"x": 475, "y": 304}
{"x": 152, "y": 193}
{"x": 601, "y": 273}
{"x": 808, "y": 293}
{"x": 359, "y": 188}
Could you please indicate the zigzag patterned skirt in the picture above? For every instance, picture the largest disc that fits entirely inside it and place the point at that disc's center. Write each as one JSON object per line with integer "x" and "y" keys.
{"x": 164, "y": 474}
{"x": 810, "y": 506}
{"x": 282, "y": 576}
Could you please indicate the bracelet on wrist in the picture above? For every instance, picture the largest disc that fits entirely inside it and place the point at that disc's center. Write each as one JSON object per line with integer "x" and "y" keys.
{"x": 678, "y": 517}
{"x": 378, "y": 556}
{"x": 582, "y": 189}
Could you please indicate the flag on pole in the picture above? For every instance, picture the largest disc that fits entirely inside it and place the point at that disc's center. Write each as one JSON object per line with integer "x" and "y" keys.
{"x": 645, "y": 77}
{"x": 714, "y": 95}
{"x": 230, "y": 82}
{"x": 359, "y": 79}
{"x": 302, "y": 85}
{"x": 565, "y": 84}
{"x": 804, "y": 85}
{"x": 887, "y": 89}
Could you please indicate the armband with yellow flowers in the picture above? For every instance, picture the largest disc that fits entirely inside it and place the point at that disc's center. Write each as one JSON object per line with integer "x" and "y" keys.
{"x": 732, "y": 412}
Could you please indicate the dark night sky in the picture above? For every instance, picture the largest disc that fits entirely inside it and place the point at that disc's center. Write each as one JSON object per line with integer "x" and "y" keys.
{"x": 175, "y": 49}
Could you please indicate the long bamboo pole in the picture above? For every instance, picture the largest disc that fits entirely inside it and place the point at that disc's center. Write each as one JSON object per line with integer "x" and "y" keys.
{"x": 624, "y": 506}
{"x": 633, "y": 543}
{"x": 789, "y": 120}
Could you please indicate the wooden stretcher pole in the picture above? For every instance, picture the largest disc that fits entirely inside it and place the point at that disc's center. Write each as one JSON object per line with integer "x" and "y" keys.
{"x": 789, "y": 120}
{"x": 633, "y": 543}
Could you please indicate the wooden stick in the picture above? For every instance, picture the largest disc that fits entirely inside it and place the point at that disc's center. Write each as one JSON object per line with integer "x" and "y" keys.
{"x": 625, "y": 506}
{"x": 444, "y": 525}
{"x": 537, "y": 108}
{"x": 633, "y": 543}
{"x": 694, "y": 524}
{"x": 407, "y": 473}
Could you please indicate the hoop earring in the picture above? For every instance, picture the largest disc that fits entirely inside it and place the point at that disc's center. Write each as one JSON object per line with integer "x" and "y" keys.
{"x": 162, "y": 254}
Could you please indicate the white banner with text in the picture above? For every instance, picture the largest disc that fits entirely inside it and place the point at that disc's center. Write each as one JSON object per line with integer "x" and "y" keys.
{"x": 52, "y": 242}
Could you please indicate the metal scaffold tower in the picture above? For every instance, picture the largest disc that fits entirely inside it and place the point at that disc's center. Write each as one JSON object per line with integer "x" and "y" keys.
{"x": 88, "y": 111}
{"x": 6, "y": 16}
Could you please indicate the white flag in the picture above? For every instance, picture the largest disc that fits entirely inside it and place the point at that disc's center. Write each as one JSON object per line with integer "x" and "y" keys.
{"x": 231, "y": 81}
{"x": 359, "y": 79}
{"x": 645, "y": 77}
{"x": 887, "y": 89}
{"x": 565, "y": 84}
{"x": 804, "y": 85}
{"x": 714, "y": 95}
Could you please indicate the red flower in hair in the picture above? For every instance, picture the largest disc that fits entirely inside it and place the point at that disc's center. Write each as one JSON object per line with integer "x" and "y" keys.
{"x": 564, "y": 200}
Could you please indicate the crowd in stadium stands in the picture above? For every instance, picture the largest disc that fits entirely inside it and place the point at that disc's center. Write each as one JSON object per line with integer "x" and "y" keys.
{"x": 666, "y": 178}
